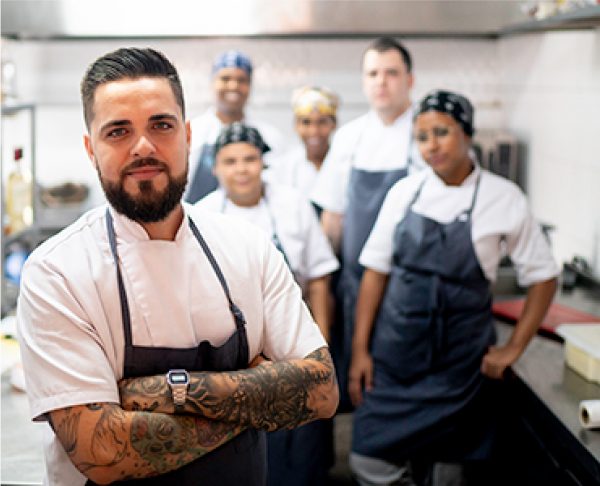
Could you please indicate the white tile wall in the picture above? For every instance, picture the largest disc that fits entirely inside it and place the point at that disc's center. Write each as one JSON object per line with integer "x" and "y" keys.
{"x": 550, "y": 86}
{"x": 544, "y": 87}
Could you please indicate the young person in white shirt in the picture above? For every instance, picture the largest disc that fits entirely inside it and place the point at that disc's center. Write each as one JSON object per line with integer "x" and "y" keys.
{"x": 424, "y": 354}
{"x": 141, "y": 323}
{"x": 231, "y": 82}
{"x": 301, "y": 456}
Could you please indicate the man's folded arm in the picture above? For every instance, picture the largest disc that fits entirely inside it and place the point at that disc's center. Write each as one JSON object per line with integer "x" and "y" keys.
{"x": 270, "y": 396}
{"x": 107, "y": 443}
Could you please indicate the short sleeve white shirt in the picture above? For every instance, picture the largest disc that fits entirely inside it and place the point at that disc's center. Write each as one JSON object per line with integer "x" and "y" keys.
{"x": 365, "y": 143}
{"x": 288, "y": 213}
{"x": 501, "y": 213}
{"x": 69, "y": 318}
{"x": 295, "y": 170}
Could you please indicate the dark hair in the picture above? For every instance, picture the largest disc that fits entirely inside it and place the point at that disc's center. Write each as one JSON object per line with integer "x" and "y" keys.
{"x": 124, "y": 63}
{"x": 384, "y": 44}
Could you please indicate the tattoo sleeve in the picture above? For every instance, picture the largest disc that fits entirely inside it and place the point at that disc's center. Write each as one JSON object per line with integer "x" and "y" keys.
{"x": 108, "y": 444}
{"x": 270, "y": 396}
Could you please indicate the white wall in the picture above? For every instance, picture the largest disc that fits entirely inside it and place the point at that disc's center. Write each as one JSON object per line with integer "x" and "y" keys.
{"x": 550, "y": 87}
{"x": 544, "y": 87}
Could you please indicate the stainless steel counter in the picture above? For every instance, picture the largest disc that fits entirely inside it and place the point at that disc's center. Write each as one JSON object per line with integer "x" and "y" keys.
{"x": 558, "y": 387}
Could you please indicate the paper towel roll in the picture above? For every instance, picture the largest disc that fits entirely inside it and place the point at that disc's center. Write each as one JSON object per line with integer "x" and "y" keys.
{"x": 589, "y": 414}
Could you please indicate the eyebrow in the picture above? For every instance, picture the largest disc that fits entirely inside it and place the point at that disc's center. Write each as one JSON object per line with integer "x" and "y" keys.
{"x": 163, "y": 116}
{"x": 122, "y": 123}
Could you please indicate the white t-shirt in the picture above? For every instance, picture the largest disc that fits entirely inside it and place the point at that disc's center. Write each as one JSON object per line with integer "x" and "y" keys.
{"x": 365, "y": 143}
{"x": 501, "y": 213}
{"x": 288, "y": 213}
{"x": 69, "y": 317}
{"x": 206, "y": 129}
{"x": 295, "y": 170}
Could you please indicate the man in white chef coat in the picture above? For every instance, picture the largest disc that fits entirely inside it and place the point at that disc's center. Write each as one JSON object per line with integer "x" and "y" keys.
{"x": 142, "y": 324}
{"x": 231, "y": 83}
{"x": 367, "y": 156}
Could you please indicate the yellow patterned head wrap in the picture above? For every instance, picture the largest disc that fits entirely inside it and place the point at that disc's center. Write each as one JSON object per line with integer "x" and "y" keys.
{"x": 310, "y": 98}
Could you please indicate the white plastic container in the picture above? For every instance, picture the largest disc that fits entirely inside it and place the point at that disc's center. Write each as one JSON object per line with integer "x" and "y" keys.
{"x": 582, "y": 348}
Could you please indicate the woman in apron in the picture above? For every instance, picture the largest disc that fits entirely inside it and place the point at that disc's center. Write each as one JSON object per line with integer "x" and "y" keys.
{"x": 301, "y": 456}
{"x": 424, "y": 356}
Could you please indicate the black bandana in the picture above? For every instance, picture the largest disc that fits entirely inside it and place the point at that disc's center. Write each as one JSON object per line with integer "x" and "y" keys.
{"x": 455, "y": 105}
{"x": 238, "y": 132}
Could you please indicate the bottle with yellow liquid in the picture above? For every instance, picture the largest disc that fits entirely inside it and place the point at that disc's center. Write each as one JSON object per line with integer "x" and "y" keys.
{"x": 19, "y": 207}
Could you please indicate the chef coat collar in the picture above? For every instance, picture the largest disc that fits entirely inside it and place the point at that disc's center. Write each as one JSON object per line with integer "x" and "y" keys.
{"x": 471, "y": 179}
{"x": 131, "y": 231}
{"x": 404, "y": 119}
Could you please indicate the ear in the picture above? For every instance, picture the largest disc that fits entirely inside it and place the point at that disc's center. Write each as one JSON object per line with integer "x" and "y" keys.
{"x": 87, "y": 142}
{"x": 188, "y": 132}
{"x": 410, "y": 80}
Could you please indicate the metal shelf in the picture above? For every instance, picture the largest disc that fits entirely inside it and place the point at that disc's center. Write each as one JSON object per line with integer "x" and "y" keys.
{"x": 579, "y": 18}
{"x": 29, "y": 234}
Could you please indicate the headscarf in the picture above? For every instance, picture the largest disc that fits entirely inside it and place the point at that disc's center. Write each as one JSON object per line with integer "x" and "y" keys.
{"x": 238, "y": 132}
{"x": 453, "y": 104}
{"x": 232, "y": 59}
{"x": 309, "y": 98}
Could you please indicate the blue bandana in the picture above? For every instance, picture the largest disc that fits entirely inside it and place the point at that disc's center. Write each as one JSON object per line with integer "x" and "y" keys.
{"x": 232, "y": 59}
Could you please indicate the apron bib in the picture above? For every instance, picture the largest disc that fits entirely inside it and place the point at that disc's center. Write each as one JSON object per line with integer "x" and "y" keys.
{"x": 366, "y": 192}
{"x": 203, "y": 181}
{"x": 242, "y": 460}
{"x": 432, "y": 330}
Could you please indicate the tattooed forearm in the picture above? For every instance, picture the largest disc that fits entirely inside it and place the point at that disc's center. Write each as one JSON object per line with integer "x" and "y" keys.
{"x": 269, "y": 396}
{"x": 107, "y": 443}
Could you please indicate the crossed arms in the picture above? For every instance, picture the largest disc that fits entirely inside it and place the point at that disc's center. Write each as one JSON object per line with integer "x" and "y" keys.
{"x": 142, "y": 437}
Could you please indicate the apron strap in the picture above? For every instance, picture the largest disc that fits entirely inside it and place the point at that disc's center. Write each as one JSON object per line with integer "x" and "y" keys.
{"x": 240, "y": 321}
{"x": 475, "y": 191}
{"x": 417, "y": 194}
{"x": 126, "y": 316}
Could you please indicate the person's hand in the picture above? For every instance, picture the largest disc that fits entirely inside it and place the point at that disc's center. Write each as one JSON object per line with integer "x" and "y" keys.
{"x": 360, "y": 376}
{"x": 497, "y": 359}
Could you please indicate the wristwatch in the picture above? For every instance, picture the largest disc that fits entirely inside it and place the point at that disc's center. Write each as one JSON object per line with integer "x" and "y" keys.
{"x": 178, "y": 380}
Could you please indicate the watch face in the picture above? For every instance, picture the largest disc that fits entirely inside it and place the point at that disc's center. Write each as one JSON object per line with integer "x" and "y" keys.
{"x": 178, "y": 377}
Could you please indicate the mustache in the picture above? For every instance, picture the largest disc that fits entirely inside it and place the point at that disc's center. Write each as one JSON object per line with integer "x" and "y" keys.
{"x": 145, "y": 162}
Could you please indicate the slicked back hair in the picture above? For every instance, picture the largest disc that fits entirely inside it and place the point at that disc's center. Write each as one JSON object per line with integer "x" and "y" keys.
{"x": 130, "y": 62}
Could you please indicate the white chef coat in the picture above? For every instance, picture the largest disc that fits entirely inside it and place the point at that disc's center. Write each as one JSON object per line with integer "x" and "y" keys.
{"x": 69, "y": 317}
{"x": 288, "y": 213}
{"x": 295, "y": 170}
{"x": 501, "y": 213}
{"x": 206, "y": 129}
{"x": 365, "y": 143}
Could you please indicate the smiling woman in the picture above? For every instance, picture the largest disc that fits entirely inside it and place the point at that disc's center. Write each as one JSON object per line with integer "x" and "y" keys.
{"x": 424, "y": 354}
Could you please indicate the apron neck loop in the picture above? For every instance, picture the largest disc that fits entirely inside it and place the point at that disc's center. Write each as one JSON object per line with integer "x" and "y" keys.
{"x": 126, "y": 316}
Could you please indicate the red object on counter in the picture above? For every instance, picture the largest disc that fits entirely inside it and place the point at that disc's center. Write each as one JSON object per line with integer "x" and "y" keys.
{"x": 510, "y": 310}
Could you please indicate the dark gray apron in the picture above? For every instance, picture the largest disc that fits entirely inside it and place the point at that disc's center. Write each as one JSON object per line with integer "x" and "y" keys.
{"x": 433, "y": 328}
{"x": 366, "y": 192}
{"x": 242, "y": 460}
{"x": 203, "y": 182}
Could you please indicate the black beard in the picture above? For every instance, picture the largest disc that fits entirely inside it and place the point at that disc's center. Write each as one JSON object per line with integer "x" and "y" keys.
{"x": 150, "y": 205}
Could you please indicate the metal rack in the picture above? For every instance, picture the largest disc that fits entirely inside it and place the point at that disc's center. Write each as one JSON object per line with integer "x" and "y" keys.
{"x": 29, "y": 236}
